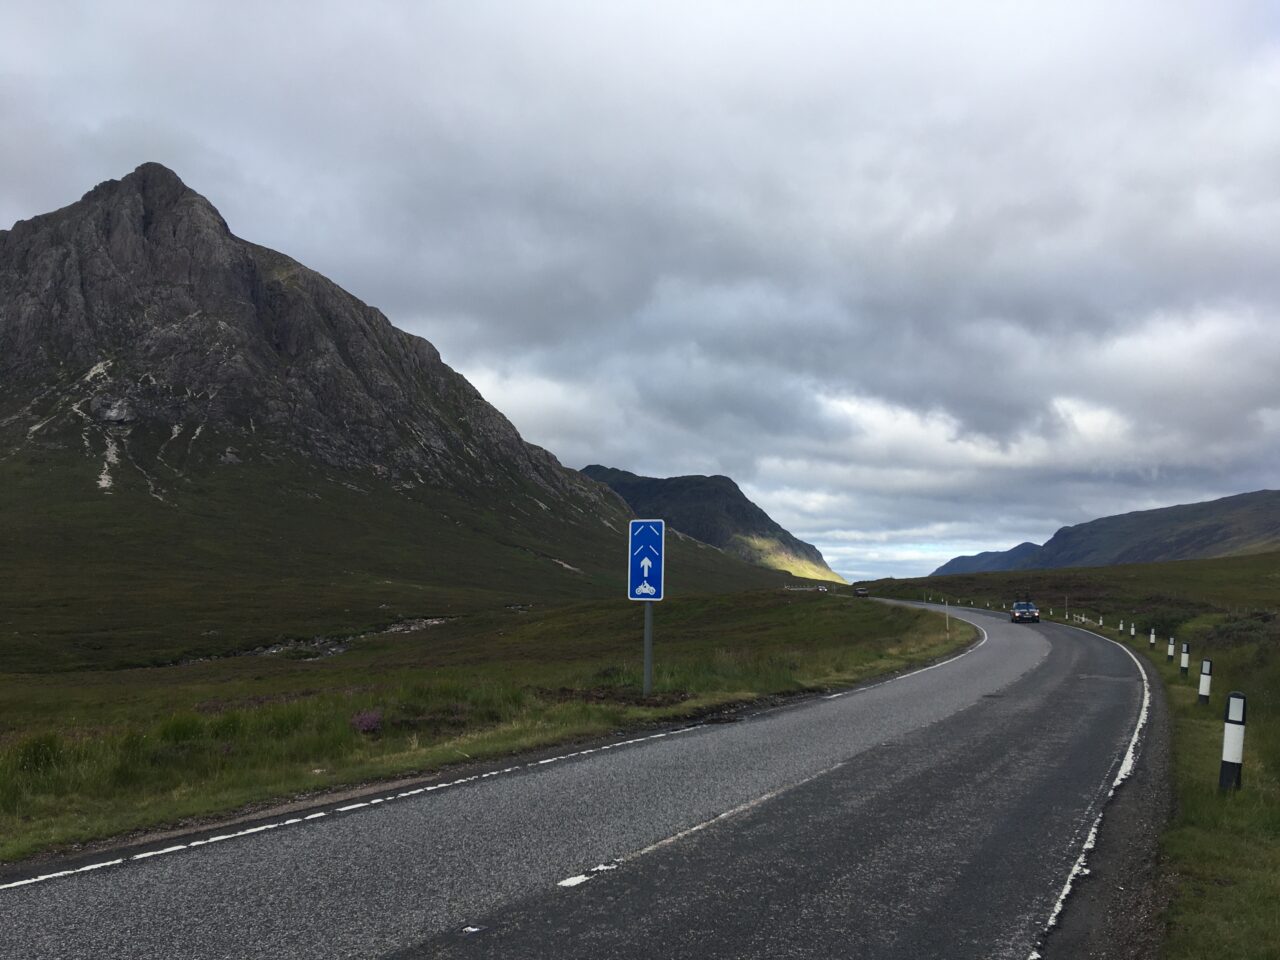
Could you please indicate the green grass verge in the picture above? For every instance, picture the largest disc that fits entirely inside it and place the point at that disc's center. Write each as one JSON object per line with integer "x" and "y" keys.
{"x": 1222, "y": 852}
{"x": 93, "y": 754}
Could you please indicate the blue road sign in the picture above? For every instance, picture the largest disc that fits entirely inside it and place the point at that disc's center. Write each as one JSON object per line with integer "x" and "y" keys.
{"x": 645, "y": 549}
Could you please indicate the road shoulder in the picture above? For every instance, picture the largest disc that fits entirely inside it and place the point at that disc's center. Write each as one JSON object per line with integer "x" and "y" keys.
{"x": 1116, "y": 912}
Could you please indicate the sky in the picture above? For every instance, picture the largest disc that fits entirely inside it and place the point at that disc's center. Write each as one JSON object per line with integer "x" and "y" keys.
{"x": 925, "y": 279}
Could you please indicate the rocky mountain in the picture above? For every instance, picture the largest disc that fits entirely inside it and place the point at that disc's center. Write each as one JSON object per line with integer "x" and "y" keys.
{"x": 137, "y": 319}
{"x": 715, "y": 511}
{"x": 190, "y": 421}
{"x": 1245, "y": 523}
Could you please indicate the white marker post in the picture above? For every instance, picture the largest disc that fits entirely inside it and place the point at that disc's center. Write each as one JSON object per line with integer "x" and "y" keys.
{"x": 1206, "y": 678}
{"x": 1153, "y": 638}
{"x": 1133, "y": 629}
{"x": 1229, "y": 776}
{"x": 1122, "y": 626}
{"x": 1171, "y": 645}
{"x": 1185, "y": 665}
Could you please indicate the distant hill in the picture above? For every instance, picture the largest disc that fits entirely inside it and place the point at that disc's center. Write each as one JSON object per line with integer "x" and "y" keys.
{"x": 205, "y": 446}
{"x": 1245, "y": 523}
{"x": 1022, "y": 557}
{"x": 715, "y": 511}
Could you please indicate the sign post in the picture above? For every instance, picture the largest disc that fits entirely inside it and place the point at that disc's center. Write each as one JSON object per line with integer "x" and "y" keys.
{"x": 646, "y": 550}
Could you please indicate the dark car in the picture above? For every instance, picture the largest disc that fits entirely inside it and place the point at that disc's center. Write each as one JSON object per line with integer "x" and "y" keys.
{"x": 1024, "y": 611}
{"x": 861, "y": 592}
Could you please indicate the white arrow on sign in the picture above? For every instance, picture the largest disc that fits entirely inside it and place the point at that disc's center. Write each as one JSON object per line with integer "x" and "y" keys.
{"x": 645, "y": 564}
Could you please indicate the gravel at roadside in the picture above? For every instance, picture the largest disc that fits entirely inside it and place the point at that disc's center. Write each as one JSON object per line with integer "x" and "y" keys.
{"x": 1116, "y": 912}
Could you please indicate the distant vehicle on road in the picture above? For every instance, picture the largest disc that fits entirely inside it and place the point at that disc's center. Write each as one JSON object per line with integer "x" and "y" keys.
{"x": 861, "y": 592}
{"x": 1024, "y": 611}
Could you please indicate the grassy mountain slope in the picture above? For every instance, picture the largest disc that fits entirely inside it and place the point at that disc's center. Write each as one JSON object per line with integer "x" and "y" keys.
{"x": 715, "y": 511}
{"x": 251, "y": 553}
{"x": 1245, "y": 523}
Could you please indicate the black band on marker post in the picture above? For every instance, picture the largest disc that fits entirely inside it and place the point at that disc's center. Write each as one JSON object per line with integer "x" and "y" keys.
{"x": 1230, "y": 774}
{"x": 1206, "y": 678}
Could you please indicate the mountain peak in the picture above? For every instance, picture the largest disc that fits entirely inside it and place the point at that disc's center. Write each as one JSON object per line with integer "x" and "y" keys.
{"x": 134, "y": 325}
{"x": 152, "y": 177}
{"x": 154, "y": 183}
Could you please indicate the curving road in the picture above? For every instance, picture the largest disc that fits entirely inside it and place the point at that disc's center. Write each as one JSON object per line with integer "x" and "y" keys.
{"x": 935, "y": 815}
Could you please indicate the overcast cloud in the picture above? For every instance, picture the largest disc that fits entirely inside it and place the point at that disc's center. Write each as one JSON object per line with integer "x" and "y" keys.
{"x": 924, "y": 278}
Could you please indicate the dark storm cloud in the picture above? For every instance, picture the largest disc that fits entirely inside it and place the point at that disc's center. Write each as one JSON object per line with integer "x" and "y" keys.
{"x": 925, "y": 280}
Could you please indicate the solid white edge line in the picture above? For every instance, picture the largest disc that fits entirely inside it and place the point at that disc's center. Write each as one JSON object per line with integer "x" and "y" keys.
{"x": 292, "y": 821}
{"x": 1079, "y": 868}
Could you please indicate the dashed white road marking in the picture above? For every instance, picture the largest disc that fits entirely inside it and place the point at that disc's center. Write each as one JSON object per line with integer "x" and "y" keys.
{"x": 696, "y": 828}
{"x": 158, "y": 853}
{"x": 63, "y": 873}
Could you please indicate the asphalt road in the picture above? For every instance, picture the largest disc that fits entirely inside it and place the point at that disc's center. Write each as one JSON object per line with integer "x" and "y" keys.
{"x": 935, "y": 815}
